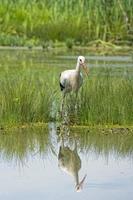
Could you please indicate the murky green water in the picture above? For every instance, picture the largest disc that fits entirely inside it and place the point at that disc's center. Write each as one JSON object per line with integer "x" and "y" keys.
{"x": 49, "y": 163}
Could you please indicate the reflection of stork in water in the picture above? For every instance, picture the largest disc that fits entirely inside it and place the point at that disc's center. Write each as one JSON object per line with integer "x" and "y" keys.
{"x": 70, "y": 162}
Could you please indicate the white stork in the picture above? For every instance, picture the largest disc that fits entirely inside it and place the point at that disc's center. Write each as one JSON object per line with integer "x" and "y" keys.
{"x": 71, "y": 80}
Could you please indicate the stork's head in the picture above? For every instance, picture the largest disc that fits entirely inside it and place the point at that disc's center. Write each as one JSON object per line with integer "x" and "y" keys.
{"x": 81, "y": 61}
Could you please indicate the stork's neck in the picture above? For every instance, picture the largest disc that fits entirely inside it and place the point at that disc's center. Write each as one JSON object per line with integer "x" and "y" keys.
{"x": 78, "y": 67}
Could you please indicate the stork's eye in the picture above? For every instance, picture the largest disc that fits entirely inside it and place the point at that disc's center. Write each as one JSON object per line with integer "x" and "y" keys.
{"x": 80, "y": 60}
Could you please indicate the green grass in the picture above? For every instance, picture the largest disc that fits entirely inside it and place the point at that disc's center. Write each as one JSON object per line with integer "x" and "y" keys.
{"x": 103, "y": 100}
{"x": 31, "y": 95}
{"x": 25, "y": 97}
{"x": 32, "y": 22}
{"x": 107, "y": 100}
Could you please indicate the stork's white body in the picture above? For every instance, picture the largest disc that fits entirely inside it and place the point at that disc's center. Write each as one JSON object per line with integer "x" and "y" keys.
{"x": 71, "y": 80}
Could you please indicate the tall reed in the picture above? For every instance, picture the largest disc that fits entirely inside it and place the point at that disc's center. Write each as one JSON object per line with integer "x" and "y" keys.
{"x": 107, "y": 100}
{"x": 23, "y": 22}
{"x": 25, "y": 97}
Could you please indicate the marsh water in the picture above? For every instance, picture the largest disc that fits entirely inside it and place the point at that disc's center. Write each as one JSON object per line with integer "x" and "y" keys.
{"x": 43, "y": 163}
{"x": 48, "y": 162}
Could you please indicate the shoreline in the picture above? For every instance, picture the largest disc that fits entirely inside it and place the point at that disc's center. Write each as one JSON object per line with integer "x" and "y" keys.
{"x": 103, "y": 50}
{"x": 105, "y": 129}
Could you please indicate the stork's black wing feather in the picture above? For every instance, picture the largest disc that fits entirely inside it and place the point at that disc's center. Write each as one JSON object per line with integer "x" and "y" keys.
{"x": 61, "y": 87}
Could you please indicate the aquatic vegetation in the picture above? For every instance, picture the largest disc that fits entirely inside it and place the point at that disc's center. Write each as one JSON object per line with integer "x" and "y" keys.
{"x": 107, "y": 100}
{"x": 30, "y": 93}
{"x": 31, "y": 97}
{"x": 104, "y": 99}
{"x": 82, "y": 21}
{"x": 25, "y": 97}
{"x": 69, "y": 43}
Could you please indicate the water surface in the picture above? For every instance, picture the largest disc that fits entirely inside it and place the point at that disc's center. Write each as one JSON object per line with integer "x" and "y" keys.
{"x": 31, "y": 164}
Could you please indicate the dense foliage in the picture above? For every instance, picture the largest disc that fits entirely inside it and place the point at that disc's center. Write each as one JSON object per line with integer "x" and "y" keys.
{"x": 35, "y": 22}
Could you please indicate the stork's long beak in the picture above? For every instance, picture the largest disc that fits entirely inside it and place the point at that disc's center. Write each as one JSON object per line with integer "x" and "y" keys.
{"x": 85, "y": 68}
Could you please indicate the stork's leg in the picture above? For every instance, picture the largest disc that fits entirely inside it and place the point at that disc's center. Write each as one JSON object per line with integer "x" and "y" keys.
{"x": 76, "y": 100}
{"x": 76, "y": 95}
{"x": 62, "y": 104}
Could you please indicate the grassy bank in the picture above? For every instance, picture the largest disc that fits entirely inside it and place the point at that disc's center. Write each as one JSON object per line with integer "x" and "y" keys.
{"x": 107, "y": 100}
{"x": 25, "y": 97}
{"x": 31, "y": 96}
{"x": 44, "y": 22}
